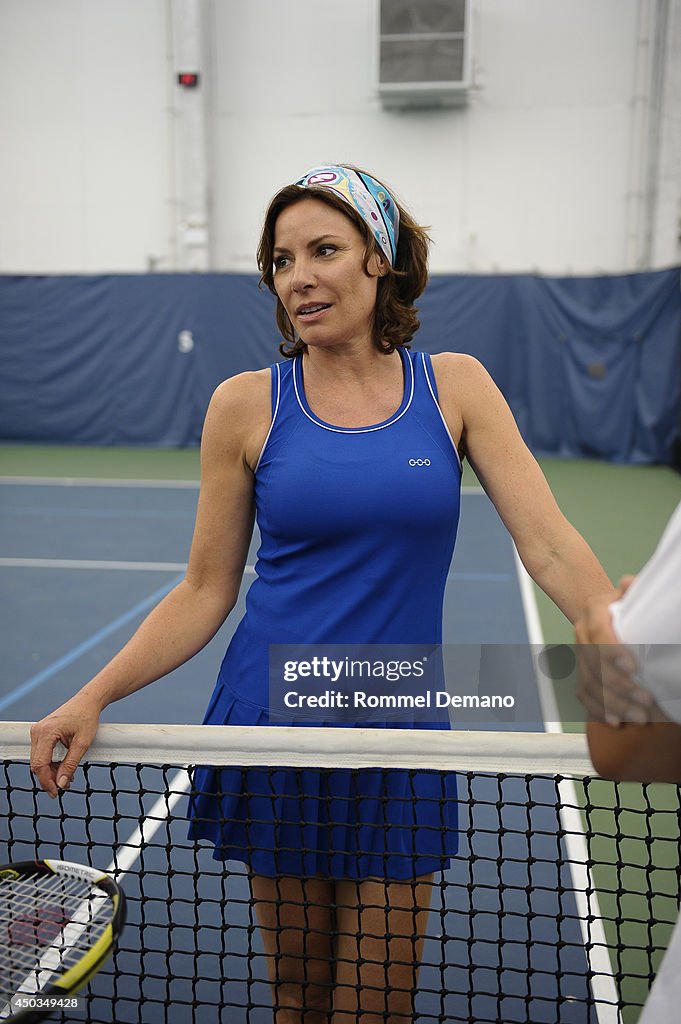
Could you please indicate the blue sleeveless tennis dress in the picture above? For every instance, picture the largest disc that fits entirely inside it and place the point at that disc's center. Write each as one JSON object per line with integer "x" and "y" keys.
{"x": 357, "y": 527}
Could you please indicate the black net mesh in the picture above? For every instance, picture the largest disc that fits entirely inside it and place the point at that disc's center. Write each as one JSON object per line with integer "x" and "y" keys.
{"x": 556, "y": 908}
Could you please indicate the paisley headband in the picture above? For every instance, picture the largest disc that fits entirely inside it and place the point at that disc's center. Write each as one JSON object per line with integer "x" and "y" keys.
{"x": 367, "y": 196}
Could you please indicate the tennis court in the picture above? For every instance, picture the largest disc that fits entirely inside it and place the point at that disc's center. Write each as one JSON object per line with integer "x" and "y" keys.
{"x": 84, "y": 557}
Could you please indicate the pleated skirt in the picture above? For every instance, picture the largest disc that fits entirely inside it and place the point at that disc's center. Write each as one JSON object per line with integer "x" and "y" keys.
{"x": 388, "y": 823}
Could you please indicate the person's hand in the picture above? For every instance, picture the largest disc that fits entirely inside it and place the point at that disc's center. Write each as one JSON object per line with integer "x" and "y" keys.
{"x": 607, "y": 687}
{"x": 74, "y": 725}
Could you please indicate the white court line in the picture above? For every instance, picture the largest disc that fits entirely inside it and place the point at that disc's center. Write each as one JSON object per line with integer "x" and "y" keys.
{"x": 130, "y": 851}
{"x": 85, "y": 563}
{"x": 603, "y": 987}
{"x": 74, "y": 481}
{"x": 249, "y": 570}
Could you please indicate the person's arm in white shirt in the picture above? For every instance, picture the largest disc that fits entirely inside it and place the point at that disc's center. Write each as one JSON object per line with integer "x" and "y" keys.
{"x": 635, "y": 733}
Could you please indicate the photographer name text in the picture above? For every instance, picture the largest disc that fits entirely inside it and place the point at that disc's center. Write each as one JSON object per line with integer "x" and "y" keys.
{"x": 388, "y": 701}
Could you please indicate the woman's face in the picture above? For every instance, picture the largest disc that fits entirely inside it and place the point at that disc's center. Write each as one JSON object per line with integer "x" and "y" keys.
{"x": 319, "y": 277}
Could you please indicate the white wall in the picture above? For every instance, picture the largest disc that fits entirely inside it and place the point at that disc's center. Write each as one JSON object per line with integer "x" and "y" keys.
{"x": 84, "y": 135}
{"x": 552, "y": 166}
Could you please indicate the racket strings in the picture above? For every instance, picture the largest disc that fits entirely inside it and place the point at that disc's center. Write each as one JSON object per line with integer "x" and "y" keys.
{"x": 46, "y": 924}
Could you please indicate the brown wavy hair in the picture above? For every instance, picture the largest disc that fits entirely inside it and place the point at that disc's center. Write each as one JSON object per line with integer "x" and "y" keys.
{"x": 395, "y": 315}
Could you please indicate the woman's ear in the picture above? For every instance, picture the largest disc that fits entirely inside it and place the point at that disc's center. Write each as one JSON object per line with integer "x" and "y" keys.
{"x": 376, "y": 265}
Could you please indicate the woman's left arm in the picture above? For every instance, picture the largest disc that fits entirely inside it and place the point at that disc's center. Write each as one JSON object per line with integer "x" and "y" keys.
{"x": 556, "y": 556}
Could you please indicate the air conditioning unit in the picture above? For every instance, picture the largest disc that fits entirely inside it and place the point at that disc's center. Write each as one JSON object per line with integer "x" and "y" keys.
{"x": 424, "y": 52}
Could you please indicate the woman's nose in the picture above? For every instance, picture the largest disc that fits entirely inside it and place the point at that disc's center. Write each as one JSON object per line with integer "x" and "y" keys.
{"x": 303, "y": 275}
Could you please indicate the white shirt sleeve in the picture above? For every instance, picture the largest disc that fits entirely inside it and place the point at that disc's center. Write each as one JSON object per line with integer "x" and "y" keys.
{"x": 648, "y": 618}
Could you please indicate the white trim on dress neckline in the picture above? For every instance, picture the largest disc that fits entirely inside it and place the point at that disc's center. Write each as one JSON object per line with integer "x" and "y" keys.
{"x": 398, "y": 414}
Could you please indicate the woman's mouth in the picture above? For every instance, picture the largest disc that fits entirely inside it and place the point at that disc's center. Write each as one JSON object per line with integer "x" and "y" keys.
{"x": 312, "y": 311}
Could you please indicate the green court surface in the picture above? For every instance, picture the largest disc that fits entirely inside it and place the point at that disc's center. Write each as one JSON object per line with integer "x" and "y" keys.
{"x": 109, "y": 463}
{"x": 621, "y": 511}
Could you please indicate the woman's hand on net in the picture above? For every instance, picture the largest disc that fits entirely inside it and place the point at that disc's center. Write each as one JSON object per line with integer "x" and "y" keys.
{"x": 73, "y": 725}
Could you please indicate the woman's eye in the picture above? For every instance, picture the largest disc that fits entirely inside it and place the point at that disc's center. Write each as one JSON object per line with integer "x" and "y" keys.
{"x": 326, "y": 250}
{"x": 280, "y": 262}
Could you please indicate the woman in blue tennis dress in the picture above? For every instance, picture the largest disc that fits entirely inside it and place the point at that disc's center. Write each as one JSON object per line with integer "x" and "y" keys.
{"x": 357, "y": 529}
{"x": 348, "y": 452}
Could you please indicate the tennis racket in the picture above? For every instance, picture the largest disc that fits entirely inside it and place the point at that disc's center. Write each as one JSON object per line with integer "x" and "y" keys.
{"x": 58, "y": 924}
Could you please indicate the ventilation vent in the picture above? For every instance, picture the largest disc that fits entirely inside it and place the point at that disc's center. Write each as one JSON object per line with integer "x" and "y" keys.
{"x": 424, "y": 48}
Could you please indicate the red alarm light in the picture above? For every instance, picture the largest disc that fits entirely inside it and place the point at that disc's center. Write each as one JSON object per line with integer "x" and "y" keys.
{"x": 188, "y": 79}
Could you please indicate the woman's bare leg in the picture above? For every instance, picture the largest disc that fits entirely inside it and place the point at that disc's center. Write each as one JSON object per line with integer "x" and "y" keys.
{"x": 297, "y": 924}
{"x": 381, "y": 927}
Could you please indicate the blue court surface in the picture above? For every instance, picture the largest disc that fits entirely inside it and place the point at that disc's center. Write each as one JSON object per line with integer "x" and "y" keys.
{"x": 82, "y": 563}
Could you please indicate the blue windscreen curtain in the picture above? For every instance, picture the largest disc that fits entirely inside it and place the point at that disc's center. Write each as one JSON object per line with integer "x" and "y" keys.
{"x": 590, "y": 366}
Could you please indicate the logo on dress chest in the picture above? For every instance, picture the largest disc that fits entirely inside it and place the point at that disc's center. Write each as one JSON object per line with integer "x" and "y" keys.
{"x": 419, "y": 462}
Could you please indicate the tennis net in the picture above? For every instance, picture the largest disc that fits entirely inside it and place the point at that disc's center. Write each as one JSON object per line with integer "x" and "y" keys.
{"x": 557, "y": 907}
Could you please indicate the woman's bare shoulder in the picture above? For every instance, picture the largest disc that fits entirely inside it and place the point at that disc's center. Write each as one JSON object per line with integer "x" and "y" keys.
{"x": 240, "y": 412}
{"x": 458, "y": 367}
{"x": 243, "y": 390}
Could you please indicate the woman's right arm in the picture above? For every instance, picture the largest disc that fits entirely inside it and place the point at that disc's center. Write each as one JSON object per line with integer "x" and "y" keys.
{"x": 191, "y": 614}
